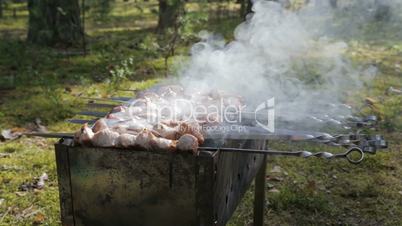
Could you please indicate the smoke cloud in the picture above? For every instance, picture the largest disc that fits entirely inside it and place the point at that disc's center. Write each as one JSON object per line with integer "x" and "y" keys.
{"x": 289, "y": 55}
{"x": 355, "y": 19}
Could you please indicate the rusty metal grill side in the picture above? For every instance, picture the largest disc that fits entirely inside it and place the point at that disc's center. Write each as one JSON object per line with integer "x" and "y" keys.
{"x": 234, "y": 174}
{"x": 64, "y": 182}
{"x": 129, "y": 187}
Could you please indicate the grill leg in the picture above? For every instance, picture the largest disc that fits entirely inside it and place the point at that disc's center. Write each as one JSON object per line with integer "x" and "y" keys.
{"x": 259, "y": 194}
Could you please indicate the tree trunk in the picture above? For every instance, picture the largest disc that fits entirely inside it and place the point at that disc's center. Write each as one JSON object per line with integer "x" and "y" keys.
{"x": 54, "y": 22}
{"x": 242, "y": 8}
{"x": 245, "y": 8}
{"x": 168, "y": 13}
{"x": 249, "y": 7}
{"x": 1, "y": 8}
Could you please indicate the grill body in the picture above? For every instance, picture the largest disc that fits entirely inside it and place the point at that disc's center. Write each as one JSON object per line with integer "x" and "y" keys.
{"x": 105, "y": 186}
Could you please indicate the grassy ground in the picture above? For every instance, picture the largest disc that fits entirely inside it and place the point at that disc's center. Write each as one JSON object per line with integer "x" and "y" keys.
{"x": 50, "y": 81}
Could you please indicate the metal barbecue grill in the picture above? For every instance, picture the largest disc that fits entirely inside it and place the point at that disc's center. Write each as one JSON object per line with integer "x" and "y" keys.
{"x": 111, "y": 186}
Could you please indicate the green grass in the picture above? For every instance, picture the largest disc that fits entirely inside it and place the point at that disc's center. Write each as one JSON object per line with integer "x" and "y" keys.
{"x": 318, "y": 192}
{"x": 28, "y": 159}
{"x": 311, "y": 192}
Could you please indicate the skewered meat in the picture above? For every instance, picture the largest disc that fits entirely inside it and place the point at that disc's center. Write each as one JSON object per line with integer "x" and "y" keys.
{"x": 193, "y": 129}
{"x": 170, "y": 123}
{"x": 99, "y": 125}
{"x": 170, "y": 89}
{"x": 166, "y": 131}
{"x": 120, "y": 108}
{"x": 163, "y": 144}
{"x": 144, "y": 139}
{"x": 178, "y": 129}
{"x": 84, "y": 135}
{"x": 120, "y": 129}
{"x": 112, "y": 116}
{"x": 105, "y": 138}
{"x": 168, "y": 93}
{"x": 126, "y": 140}
{"x": 188, "y": 142}
{"x": 138, "y": 124}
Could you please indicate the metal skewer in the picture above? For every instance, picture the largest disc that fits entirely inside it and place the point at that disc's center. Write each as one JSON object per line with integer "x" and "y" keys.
{"x": 303, "y": 154}
{"x": 92, "y": 113}
{"x": 50, "y": 135}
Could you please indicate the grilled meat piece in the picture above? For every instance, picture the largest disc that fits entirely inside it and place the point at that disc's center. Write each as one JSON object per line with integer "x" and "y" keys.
{"x": 136, "y": 125}
{"x": 147, "y": 140}
{"x": 193, "y": 129}
{"x": 99, "y": 125}
{"x": 170, "y": 123}
{"x": 133, "y": 124}
{"x": 120, "y": 108}
{"x": 166, "y": 131}
{"x": 105, "y": 138}
{"x": 170, "y": 91}
{"x": 84, "y": 135}
{"x": 174, "y": 130}
{"x": 126, "y": 140}
{"x": 144, "y": 139}
{"x": 161, "y": 143}
{"x": 188, "y": 142}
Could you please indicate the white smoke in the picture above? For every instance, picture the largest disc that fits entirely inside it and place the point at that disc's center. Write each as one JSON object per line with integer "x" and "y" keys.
{"x": 277, "y": 53}
{"x": 355, "y": 19}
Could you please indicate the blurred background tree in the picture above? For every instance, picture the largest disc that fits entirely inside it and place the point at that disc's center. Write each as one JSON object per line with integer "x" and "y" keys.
{"x": 1, "y": 8}
{"x": 169, "y": 11}
{"x": 54, "y": 22}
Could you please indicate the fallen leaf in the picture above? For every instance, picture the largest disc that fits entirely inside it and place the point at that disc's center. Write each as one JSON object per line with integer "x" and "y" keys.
{"x": 37, "y": 183}
{"x": 371, "y": 101}
{"x": 276, "y": 169}
{"x": 20, "y": 193}
{"x": 8, "y": 134}
{"x": 392, "y": 90}
{"x": 311, "y": 185}
{"x": 273, "y": 190}
{"x": 270, "y": 185}
{"x": 39, "y": 218}
{"x": 10, "y": 168}
{"x": 41, "y": 182}
{"x": 5, "y": 155}
{"x": 40, "y": 128}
